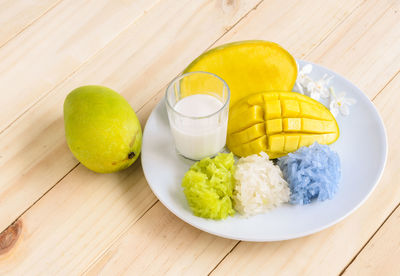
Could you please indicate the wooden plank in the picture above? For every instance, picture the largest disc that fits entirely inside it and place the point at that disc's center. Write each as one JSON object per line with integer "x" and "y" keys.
{"x": 157, "y": 52}
{"x": 285, "y": 25}
{"x": 95, "y": 193}
{"x": 365, "y": 50}
{"x": 56, "y": 45}
{"x": 309, "y": 255}
{"x": 16, "y": 15}
{"x": 167, "y": 246}
{"x": 382, "y": 254}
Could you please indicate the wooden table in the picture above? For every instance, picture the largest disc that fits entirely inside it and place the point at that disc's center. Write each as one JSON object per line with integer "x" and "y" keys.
{"x": 57, "y": 217}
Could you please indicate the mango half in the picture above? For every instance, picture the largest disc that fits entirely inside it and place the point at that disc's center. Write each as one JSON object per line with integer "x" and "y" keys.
{"x": 248, "y": 67}
{"x": 278, "y": 123}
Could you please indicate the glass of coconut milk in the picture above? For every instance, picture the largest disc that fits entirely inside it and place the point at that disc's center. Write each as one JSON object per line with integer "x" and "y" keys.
{"x": 197, "y": 106}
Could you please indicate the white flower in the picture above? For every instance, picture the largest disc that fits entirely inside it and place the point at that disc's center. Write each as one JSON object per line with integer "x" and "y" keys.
{"x": 299, "y": 88}
{"x": 306, "y": 69}
{"x": 340, "y": 104}
{"x": 319, "y": 89}
{"x": 314, "y": 89}
{"x": 303, "y": 79}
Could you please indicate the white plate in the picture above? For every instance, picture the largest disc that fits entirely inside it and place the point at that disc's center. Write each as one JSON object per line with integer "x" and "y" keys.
{"x": 362, "y": 147}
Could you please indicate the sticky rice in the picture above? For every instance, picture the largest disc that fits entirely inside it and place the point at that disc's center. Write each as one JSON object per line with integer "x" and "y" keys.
{"x": 208, "y": 187}
{"x": 312, "y": 173}
{"x": 259, "y": 185}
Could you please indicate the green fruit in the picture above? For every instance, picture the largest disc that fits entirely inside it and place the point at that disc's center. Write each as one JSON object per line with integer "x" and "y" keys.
{"x": 102, "y": 130}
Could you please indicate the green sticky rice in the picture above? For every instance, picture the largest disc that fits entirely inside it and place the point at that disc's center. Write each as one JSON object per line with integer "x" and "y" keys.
{"x": 208, "y": 186}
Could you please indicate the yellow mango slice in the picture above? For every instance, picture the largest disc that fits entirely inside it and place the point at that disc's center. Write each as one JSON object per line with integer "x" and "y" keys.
{"x": 273, "y": 126}
{"x": 247, "y": 67}
{"x": 255, "y": 112}
{"x": 278, "y": 123}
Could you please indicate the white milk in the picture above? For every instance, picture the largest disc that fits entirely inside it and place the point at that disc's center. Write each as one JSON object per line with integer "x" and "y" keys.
{"x": 199, "y": 138}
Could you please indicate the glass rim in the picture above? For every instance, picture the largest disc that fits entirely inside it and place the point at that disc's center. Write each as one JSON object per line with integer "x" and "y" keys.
{"x": 181, "y": 76}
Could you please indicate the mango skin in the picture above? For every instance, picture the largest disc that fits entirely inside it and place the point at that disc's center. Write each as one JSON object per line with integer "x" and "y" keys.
{"x": 249, "y": 67}
{"x": 278, "y": 123}
{"x": 101, "y": 128}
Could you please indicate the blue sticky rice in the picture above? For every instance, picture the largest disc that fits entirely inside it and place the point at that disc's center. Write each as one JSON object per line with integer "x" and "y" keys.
{"x": 312, "y": 173}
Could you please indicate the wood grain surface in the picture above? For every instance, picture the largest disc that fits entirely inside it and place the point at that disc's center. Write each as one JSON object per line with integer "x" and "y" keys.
{"x": 59, "y": 218}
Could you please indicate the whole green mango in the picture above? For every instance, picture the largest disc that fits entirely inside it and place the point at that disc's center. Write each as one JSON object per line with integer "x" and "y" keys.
{"x": 102, "y": 130}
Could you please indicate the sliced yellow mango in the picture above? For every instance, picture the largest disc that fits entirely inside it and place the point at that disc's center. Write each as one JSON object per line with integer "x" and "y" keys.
{"x": 278, "y": 123}
{"x": 247, "y": 67}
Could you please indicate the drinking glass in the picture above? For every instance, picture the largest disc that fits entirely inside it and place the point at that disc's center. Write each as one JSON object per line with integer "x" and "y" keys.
{"x": 197, "y": 106}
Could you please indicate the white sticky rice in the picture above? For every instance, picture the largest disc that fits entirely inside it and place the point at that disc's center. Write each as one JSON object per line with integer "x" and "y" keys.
{"x": 259, "y": 185}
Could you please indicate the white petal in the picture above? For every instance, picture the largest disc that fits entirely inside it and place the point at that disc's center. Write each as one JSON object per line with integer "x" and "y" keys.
{"x": 306, "y": 69}
{"x": 334, "y": 111}
{"x": 324, "y": 93}
{"x": 344, "y": 109}
{"x": 322, "y": 84}
{"x": 303, "y": 82}
{"x": 299, "y": 88}
{"x": 311, "y": 86}
{"x": 333, "y": 105}
{"x": 306, "y": 82}
{"x": 315, "y": 95}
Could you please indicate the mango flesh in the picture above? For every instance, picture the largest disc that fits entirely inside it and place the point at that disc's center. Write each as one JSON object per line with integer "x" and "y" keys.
{"x": 278, "y": 123}
{"x": 248, "y": 67}
{"x": 102, "y": 130}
